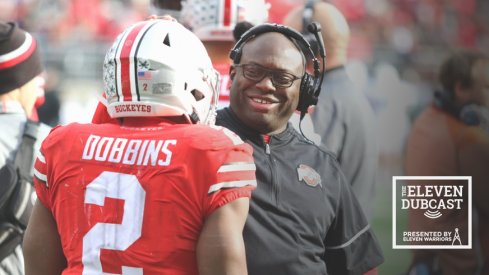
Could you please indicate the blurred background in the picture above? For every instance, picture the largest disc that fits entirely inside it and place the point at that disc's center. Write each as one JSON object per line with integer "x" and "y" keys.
{"x": 395, "y": 51}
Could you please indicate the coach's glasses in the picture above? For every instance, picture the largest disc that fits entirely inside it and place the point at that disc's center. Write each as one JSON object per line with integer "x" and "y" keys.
{"x": 257, "y": 73}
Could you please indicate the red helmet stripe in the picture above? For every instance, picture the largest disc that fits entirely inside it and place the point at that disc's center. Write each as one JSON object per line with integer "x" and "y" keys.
{"x": 127, "y": 62}
{"x": 135, "y": 54}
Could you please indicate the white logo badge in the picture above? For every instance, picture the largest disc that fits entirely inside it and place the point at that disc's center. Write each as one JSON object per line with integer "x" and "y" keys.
{"x": 308, "y": 175}
{"x": 427, "y": 205}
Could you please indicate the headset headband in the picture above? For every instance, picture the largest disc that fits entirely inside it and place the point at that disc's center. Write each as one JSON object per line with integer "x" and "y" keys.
{"x": 257, "y": 30}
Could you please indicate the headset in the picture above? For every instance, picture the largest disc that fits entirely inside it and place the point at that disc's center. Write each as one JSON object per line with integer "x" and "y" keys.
{"x": 445, "y": 101}
{"x": 470, "y": 114}
{"x": 310, "y": 86}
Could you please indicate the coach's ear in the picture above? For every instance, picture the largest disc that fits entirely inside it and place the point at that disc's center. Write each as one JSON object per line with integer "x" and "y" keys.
{"x": 232, "y": 72}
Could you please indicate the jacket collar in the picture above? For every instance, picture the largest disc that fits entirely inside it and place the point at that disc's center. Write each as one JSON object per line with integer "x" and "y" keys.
{"x": 230, "y": 120}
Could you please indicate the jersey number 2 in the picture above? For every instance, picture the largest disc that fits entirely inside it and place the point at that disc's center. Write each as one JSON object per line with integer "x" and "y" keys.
{"x": 108, "y": 235}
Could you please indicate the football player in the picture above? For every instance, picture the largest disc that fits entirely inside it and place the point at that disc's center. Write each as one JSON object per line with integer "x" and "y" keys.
{"x": 162, "y": 191}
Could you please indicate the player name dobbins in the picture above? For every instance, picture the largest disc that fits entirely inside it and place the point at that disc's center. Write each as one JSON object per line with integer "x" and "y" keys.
{"x": 128, "y": 151}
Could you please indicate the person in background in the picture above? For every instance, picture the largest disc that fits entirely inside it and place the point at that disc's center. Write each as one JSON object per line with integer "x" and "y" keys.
{"x": 163, "y": 190}
{"x": 20, "y": 84}
{"x": 213, "y": 21}
{"x": 343, "y": 118}
{"x": 451, "y": 138}
{"x": 49, "y": 111}
{"x": 304, "y": 218}
{"x": 166, "y": 7}
{"x": 280, "y": 8}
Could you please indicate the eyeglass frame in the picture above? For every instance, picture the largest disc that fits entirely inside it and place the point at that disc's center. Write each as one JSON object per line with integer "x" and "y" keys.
{"x": 268, "y": 73}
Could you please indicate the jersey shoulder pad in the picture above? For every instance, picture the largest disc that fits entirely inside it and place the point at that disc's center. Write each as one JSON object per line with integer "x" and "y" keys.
{"x": 213, "y": 137}
{"x": 62, "y": 133}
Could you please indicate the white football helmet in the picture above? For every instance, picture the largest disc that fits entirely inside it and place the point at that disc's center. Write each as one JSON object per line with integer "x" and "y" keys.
{"x": 214, "y": 20}
{"x": 160, "y": 68}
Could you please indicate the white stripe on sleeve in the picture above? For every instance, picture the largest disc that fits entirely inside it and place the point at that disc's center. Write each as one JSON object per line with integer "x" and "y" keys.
{"x": 41, "y": 158}
{"x": 231, "y": 184}
{"x": 235, "y": 167}
{"x": 40, "y": 176}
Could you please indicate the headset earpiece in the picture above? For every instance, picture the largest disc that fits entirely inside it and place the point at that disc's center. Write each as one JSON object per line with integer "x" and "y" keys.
{"x": 306, "y": 96}
{"x": 445, "y": 101}
{"x": 235, "y": 54}
{"x": 310, "y": 86}
{"x": 468, "y": 114}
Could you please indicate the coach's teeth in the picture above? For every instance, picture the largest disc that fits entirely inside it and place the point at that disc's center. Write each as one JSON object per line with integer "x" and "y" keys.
{"x": 261, "y": 101}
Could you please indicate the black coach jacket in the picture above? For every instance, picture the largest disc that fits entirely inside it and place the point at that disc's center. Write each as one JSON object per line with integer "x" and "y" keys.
{"x": 304, "y": 218}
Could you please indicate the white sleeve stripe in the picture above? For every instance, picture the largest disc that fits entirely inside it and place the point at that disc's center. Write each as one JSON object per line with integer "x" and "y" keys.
{"x": 352, "y": 239}
{"x": 40, "y": 176}
{"x": 41, "y": 158}
{"x": 235, "y": 167}
{"x": 230, "y": 184}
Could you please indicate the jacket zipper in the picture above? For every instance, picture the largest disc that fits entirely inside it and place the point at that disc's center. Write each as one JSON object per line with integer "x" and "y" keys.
{"x": 273, "y": 169}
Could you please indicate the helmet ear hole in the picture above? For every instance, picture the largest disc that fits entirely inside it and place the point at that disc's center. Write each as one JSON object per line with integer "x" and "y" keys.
{"x": 166, "y": 41}
{"x": 197, "y": 94}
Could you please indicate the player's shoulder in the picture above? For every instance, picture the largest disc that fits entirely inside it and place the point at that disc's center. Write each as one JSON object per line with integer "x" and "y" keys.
{"x": 59, "y": 132}
{"x": 67, "y": 133}
{"x": 212, "y": 137}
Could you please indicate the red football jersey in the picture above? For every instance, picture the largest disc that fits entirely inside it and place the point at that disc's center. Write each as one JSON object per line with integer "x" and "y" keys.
{"x": 133, "y": 200}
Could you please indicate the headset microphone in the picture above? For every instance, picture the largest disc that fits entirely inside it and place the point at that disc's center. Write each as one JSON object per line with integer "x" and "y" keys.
{"x": 315, "y": 29}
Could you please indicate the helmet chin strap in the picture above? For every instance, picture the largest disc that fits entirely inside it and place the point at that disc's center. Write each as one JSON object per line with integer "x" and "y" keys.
{"x": 194, "y": 117}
